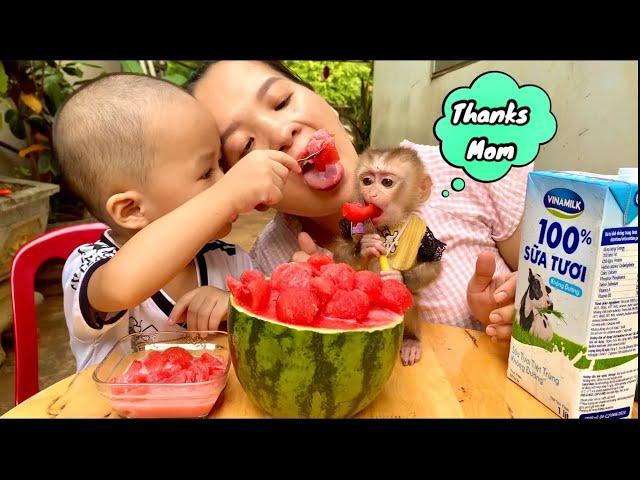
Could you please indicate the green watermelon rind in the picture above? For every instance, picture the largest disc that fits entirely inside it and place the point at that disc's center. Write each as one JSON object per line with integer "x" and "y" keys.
{"x": 292, "y": 371}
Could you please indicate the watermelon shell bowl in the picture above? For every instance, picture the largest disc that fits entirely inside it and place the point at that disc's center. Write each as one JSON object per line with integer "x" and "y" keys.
{"x": 317, "y": 339}
{"x": 165, "y": 374}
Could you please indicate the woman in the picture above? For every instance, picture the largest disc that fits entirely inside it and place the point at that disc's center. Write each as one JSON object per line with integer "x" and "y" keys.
{"x": 261, "y": 105}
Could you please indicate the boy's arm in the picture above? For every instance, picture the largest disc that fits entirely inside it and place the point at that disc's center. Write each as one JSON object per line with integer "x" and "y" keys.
{"x": 154, "y": 255}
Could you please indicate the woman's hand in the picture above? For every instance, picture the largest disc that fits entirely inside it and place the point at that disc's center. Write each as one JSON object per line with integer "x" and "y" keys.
{"x": 492, "y": 299}
{"x": 307, "y": 248}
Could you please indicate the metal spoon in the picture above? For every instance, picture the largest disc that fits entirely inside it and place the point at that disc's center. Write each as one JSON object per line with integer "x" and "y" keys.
{"x": 304, "y": 160}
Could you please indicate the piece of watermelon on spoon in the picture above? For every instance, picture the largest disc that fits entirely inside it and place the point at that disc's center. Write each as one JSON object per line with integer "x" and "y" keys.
{"x": 322, "y": 169}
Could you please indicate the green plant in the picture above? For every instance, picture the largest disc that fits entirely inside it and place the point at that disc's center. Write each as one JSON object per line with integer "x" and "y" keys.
{"x": 33, "y": 91}
{"x": 175, "y": 71}
{"x": 347, "y": 86}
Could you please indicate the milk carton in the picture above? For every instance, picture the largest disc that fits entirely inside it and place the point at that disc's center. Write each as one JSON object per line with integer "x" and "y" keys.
{"x": 575, "y": 331}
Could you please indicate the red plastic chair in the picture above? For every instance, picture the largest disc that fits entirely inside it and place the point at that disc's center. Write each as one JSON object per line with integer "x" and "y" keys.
{"x": 58, "y": 243}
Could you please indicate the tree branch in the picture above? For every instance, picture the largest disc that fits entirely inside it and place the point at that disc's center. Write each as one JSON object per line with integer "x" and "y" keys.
{"x": 9, "y": 147}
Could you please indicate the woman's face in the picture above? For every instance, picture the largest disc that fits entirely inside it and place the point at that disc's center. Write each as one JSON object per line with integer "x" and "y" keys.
{"x": 256, "y": 107}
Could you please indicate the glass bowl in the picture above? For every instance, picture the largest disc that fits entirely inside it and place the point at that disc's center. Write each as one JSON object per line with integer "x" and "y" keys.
{"x": 162, "y": 400}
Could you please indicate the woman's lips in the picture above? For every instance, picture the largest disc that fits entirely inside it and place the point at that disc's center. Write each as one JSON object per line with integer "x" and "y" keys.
{"x": 326, "y": 180}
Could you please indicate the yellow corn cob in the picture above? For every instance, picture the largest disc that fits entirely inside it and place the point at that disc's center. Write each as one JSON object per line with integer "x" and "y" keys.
{"x": 407, "y": 250}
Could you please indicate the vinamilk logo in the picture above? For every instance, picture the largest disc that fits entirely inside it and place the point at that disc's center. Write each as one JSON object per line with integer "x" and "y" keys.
{"x": 563, "y": 203}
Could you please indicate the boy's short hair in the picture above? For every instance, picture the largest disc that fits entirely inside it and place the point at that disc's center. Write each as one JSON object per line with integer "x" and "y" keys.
{"x": 101, "y": 135}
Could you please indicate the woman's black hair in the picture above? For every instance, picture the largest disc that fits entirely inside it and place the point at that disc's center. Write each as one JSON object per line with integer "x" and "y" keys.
{"x": 275, "y": 65}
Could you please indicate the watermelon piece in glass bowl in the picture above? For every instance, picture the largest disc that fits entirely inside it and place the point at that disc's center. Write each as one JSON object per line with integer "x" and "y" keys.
{"x": 178, "y": 374}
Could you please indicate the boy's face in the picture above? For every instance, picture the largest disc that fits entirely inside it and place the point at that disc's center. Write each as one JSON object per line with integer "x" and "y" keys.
{"x": 186, "y": 161}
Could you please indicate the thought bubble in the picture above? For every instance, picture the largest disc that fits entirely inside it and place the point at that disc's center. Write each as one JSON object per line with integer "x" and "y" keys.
{"x": 492, "y": 126}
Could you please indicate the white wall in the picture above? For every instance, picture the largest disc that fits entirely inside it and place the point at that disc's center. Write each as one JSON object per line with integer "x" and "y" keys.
{"x": 594, "y": 102}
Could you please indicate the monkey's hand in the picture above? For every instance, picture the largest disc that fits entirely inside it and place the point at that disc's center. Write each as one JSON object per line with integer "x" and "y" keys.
{"x": 421, "y": 275}
{"x": 392, "y": 275}
{"x": 371, "y": 246}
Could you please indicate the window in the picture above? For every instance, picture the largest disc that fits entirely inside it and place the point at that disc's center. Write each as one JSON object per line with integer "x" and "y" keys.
{"x": 440, "y": 67}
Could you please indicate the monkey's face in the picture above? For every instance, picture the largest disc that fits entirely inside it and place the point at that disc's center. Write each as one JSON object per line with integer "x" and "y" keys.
{"x": 382, "y": 187}
{"x": 394, "y": 184}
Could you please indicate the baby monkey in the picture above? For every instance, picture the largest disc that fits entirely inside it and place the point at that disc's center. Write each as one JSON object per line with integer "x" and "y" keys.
{"x": 396, "y": 182}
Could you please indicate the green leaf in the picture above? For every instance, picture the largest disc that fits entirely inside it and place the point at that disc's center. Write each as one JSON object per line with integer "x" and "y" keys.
{"x": 44, "y": 163}
{"x": 23, "y": 171}
{"x": 73, "y": 71}
{"x": 39, "y": 124}
{"x": 17, "y": 128}
{"x": 176, "y": 78}
{"x": 9, "y": 114}
{"x": 4, "y": 80}
{"x": 55, "y": 168}
{"x": 53, "y": 87}
{"x": 131, "y": 66}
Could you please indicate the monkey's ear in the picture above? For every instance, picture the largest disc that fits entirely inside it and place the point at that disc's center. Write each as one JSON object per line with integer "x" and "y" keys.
{"x": 425, "y": 188}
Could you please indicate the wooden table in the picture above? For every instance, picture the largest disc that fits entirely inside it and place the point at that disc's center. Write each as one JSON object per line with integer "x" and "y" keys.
{"x": 461, "y": 374}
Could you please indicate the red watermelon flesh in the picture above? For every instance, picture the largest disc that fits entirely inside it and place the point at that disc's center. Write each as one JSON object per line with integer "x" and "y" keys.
{"x": 395, "y": 296}
{"x": 342, "y": 274}
{"x": 323, "y": 294}
{"x": 291, "y": 275}
{"x": 358, "y": 212}
{"x": 370, "y": 283}
{"x": 324, "y": 171}
{"x": 174, "y": 365}
{"x": 348, "y": 305}
{"x": 317, "y": 260}
{"x": 323, "y": 142}
{"x": 240, "y": 292}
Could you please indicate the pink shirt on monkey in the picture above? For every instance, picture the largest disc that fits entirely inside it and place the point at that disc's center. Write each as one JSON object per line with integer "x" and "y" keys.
{"x": 469, "y": 222}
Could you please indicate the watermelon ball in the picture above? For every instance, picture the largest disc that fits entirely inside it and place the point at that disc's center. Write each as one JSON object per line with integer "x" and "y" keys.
{"x": 395, "y": 296}
{"x": 323, "y": 288}
{"x": 347, "y": 305}
{"x": 324, "y": 143}
{"x": 319, "y": 140}
{"x": 178, "y": 356}
{"x": 342, "y": 274}
{"x": 240, "y": 292}
{"x": 291, "y": 275}
{"x": 327, "y": 156}
{"x": 370, "y": 283}
{"x": 317, "y": 260}
{"x": 296, "y": 307}
{"x": 357, "y": 212}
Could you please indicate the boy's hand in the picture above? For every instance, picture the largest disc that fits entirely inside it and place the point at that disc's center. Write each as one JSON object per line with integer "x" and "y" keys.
{"x": 258, "y": 179}
{"x": 491, "y": 299}
{"x": 203, "y": 309}
{"x": 371, "y": 246}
